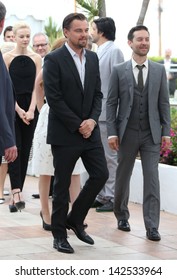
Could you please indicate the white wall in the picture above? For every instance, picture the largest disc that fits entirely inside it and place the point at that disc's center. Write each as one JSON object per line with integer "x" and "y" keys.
{"x": 168, "y": 186}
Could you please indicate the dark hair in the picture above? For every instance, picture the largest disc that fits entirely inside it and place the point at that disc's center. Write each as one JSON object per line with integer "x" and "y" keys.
{"x": 106, "y": 25}
{"x": 69, "y": 19}
{"x": 8, "y": 28}
{"x": 2, "y": 11}
{"x": 136, "y": 28}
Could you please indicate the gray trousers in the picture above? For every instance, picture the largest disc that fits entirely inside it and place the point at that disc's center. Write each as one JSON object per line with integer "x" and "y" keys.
{"x": 135, "y": 141}
{"x": 107, "y": 192}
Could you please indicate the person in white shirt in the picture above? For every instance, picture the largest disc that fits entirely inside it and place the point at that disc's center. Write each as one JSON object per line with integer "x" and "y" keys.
{"x": 103, "y": 34}
{"x": 171, "y": 71}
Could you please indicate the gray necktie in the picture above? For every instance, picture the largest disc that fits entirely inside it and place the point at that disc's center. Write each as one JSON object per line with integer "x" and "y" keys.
{"x": 140, "y": 77}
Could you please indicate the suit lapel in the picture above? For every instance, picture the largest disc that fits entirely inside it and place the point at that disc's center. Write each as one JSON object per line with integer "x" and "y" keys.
{"x": 151, "y": 76}
{"x": 87, "y": 72}
{"x": 130, "y": 78}
{"x": 69, "y": 60}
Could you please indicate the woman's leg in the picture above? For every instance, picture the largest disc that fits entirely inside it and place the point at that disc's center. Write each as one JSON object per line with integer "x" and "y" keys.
{"x": 3, "y": 173}
{"x": 75, "y": 187}
{"x": 44, "y": 187}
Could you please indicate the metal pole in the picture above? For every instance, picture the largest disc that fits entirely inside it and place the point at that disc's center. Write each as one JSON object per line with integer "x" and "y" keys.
{"x": 160, "y": 10}
{"x": 75, "y": 6}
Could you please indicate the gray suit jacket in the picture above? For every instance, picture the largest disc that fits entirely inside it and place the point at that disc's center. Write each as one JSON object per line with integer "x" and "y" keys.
{"x": 120, "y": 100}
{"x": 7, "y": 109}
{"x": 108, "y": 57}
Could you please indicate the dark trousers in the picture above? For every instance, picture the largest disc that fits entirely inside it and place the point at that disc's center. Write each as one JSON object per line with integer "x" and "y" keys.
{"x": 51, "y": 186}
{"x": 65, "y": 157}
{"x": 24, "y": 137}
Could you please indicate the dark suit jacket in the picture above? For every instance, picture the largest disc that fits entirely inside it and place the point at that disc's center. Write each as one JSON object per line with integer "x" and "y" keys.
{"x": 7, "y": 109}
{"x": 69, "y": 103}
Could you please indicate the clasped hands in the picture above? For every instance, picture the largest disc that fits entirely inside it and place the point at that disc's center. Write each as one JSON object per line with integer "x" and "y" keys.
{"x": 26, "y": 116}
{"x": 86, "y": 128}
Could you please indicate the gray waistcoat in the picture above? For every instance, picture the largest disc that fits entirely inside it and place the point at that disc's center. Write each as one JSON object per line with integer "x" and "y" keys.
{"x": 139, "y": 114}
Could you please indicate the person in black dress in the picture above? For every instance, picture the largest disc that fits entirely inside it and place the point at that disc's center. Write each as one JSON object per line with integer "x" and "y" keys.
{"x": 23, "y": 65}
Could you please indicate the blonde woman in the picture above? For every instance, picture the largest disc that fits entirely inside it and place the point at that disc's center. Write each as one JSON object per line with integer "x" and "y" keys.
{"x": 23, "y": 65}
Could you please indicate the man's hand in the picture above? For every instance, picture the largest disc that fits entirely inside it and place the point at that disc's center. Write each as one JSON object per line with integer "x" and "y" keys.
{"x": 10, "y": 154}
{"x": 87, "y": 127}
{"x": 114, "y": 143}
{"x": 166, "y": 142}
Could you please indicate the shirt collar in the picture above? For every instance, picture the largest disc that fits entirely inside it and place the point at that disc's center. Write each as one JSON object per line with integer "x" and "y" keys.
{"x": 73, "y": 53}
{"x": 134, "y": 63}
{"x": 103, "y": 46}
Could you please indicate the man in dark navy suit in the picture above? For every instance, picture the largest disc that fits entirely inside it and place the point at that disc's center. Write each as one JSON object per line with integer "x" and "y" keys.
{"x": 7, "y": 106}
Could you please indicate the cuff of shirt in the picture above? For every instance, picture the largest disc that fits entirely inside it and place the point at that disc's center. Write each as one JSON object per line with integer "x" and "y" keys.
{"x": 112, "y": 136}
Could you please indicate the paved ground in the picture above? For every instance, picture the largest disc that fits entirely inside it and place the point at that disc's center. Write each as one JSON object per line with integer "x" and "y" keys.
{"x": 22, "y": 236}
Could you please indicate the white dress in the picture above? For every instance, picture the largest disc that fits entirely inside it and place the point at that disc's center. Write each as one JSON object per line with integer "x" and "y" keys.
{"x": 42, "y": 159}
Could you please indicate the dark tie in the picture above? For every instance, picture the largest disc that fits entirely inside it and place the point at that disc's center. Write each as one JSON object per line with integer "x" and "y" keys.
{"x": 140, "y": 77}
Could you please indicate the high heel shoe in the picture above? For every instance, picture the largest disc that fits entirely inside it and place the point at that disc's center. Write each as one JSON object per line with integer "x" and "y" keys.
{"x": 19, "y": 204}
{"x": 44, "y": 225}
{"x": 12, "y": 208}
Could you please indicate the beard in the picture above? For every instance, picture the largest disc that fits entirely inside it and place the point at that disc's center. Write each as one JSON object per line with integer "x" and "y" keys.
{"x": 82, "y": 43}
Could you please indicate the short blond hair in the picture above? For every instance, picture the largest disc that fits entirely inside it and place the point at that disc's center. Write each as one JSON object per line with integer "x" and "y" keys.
{"x": 20, "y": 25}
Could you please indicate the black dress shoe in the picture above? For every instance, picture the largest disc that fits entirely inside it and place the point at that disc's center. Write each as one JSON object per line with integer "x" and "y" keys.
{"x": 35, "y": 195}
{"x": 107, "y": 207}
{"x": 96, "y": 204}
{"x": 153, "y": 234}
{"x": 123, "y": 225}
{"x": 80, "y": 233}
{"x": 85, "y": 225}
{"x": 62, "y": 245}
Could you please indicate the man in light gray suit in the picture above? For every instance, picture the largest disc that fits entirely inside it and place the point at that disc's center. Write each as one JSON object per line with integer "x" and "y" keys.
{"x": 103, "y": 34}
{"x": 138, "y": 120}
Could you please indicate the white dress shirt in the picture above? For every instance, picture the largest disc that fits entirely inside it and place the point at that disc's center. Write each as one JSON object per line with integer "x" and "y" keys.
{"x": 80, "y": 64}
